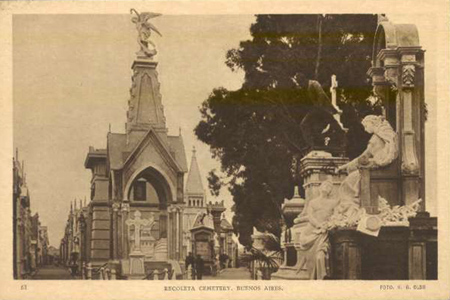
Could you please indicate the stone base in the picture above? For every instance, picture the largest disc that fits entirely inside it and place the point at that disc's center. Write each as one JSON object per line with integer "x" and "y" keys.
{"x": 133, "y": 268}
{"x": 398, "y": 253}
{"x": 289, "y": 273}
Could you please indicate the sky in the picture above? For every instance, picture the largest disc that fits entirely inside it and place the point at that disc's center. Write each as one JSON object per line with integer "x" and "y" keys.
{"x": 71, "y": 79}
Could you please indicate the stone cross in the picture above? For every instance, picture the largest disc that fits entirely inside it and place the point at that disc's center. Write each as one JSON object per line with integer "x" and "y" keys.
{"x": 137, "y": 222}
{"x": 333, "y": 91}
{"x": 334, "y": 85}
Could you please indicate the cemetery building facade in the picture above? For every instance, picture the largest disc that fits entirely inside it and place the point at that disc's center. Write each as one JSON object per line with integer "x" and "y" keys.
{"x": 140, "y": 214}
{"x": 30, "y": 237}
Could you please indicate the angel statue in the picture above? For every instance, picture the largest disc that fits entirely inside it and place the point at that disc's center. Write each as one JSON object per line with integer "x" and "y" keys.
{"x": 144, "y": 29}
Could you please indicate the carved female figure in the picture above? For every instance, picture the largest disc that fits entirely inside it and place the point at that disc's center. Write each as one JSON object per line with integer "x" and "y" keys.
{"x": 381, "y": 150}
{"x": 314, "y": 237}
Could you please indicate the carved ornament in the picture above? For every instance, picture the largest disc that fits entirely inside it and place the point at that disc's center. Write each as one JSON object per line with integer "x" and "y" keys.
{"x": 115, "y": 206}
{"x": 389, "y": 215}
{"x": 125, "y": 207}
{"x": 408, "y": 74}
{"x": 410, "y": 168}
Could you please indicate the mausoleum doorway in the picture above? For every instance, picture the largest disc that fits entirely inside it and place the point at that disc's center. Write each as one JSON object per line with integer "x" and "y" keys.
{"x": 149, "y": 188}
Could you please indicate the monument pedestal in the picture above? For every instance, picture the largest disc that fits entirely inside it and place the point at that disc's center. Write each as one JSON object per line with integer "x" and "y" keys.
{"x": 137, "y": 269}
{"x": 398, "y": 253}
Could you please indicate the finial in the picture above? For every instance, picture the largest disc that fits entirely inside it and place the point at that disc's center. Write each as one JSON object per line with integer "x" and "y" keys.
{"x": 109, "y": 130}
{"x": 81, "y": 204}
{"x": 84, "y": 200}
{"x": 71, "y": 207}
{"x": 75, "y": 204}
{"x": 179, "y": 131}
{"x": 17, "y": 153}
{"x": 193, "y": 151}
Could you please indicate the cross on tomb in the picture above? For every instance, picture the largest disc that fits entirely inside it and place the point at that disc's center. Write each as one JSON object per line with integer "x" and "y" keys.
{"x": 138, "y": 223}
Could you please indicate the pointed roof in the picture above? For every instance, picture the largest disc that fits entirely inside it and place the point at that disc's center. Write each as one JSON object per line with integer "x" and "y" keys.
{"x": 118, "y": 154}
{"x": 224, "y": 224}
{"x": 204, "y": 220}
{"x": 194, "y": 181}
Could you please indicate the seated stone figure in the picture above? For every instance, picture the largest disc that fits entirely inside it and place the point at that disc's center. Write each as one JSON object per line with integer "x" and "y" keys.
{"x": 381, "y": 151}
{"x": 313, "y": 238}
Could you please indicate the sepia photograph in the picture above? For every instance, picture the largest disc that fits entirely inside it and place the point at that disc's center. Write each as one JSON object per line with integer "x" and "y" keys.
{"x": 174, "y": 148}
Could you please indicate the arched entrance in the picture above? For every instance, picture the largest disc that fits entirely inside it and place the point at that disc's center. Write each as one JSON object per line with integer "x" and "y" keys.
{"x": 149, "y": 188}
{"x": 149, "y": 193}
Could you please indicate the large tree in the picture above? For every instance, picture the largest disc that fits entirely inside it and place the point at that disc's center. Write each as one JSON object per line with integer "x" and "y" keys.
{"x": 254, "y": 131}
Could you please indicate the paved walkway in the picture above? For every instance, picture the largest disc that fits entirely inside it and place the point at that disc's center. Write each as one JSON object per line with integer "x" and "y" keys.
{"x": 230, "y": 274}
{"x": 52, "y": 273}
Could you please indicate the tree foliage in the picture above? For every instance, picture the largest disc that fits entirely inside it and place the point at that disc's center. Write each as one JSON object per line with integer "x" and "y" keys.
{"x": 254, "y": 131}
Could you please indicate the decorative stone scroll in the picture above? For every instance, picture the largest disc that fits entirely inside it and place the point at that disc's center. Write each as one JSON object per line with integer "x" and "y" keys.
{"x": 389, "y": 216}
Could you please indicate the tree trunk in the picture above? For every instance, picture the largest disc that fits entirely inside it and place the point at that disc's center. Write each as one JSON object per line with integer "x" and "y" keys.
{"x": 319, "y": 46}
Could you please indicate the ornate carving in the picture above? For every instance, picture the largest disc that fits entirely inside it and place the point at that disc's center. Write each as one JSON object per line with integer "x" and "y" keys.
{"x": 410, "y": 168}
{"x": 397, "y": 215}
{"x": 408, "y": 73}
{"x": 115, "y": 206}
{"x": 294, "y": 167}
{"x": 125, "y": 207}
{"x": 389, "y": 216}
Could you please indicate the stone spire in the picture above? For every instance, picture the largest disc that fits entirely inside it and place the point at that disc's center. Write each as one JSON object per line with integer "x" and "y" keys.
{"x": 145, "y": 105}
{"x": 145, "y": 109}
{"x": 194, "y": 181}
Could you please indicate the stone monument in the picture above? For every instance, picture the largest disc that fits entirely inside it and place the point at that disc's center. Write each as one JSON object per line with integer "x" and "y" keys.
{"x": 137, "y": 270}
{"x": 378, "y": 228}
{"x": 141, "y": 170}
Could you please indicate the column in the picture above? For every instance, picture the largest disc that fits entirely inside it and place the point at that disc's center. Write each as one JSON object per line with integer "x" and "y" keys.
{"x": 125, "y": 207}
{"x": 177, "y": 233}
{"x": 115, "y": 231}
{"x": 411, "y": 106}
{"x": 169, "y": 233}
{"x": 180, "y": 234}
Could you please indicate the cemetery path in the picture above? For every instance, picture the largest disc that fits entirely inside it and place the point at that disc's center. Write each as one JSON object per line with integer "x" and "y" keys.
{"x": 52, "y": 273}
{"x": 230, "y": 274}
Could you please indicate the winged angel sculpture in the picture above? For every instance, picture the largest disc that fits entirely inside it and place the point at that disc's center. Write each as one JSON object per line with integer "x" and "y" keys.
{"x": 145, "y": 28}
